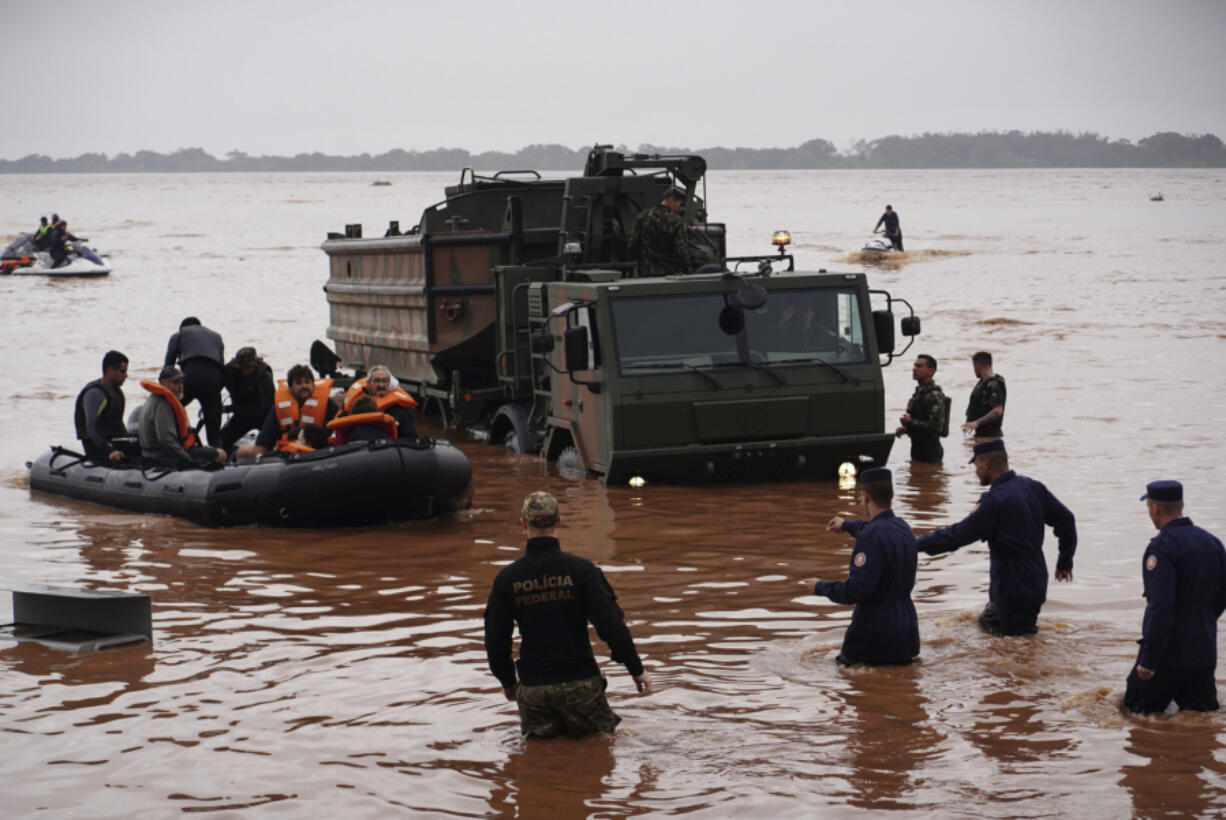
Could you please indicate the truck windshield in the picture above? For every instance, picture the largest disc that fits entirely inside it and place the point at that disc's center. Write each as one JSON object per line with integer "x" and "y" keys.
{"x": 795, "y": 326}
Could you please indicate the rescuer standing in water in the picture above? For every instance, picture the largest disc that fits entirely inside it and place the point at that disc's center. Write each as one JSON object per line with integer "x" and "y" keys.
{"x": 1011, "y": 516}
{"x": 1184, "y": 572}
{"x": 884, "y": 628}
{"x": 985, "y": 410}
{"x": 552, "y": 595}
{"x": 927, "y": 416}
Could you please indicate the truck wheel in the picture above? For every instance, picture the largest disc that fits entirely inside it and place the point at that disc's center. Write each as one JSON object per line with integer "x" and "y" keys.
{"x": 512, "y": 426}
{"x": 569, "y": 460}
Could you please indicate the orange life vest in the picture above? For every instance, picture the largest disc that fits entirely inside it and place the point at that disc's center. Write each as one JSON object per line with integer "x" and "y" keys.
{"x": 389, "y": 399}
{"x": 343, "y": 424}
{"x": 187, "y": 436}
{"x": 313, "y": 411}
{"x": 289, "y": 446}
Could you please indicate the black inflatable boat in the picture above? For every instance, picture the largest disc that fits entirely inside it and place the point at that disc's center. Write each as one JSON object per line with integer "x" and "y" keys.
{"x": 362, "y": 483}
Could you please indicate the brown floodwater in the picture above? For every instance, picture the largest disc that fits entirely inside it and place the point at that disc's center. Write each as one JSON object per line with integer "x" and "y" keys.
{"x": 318, "y": 672}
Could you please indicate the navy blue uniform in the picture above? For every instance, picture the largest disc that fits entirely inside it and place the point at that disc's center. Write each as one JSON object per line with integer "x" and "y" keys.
{"x": 884, "y": 628}
{"x": 1011, "y": 516}
{"x": 552, "y": 595}
{"x": 1184, "y": 571}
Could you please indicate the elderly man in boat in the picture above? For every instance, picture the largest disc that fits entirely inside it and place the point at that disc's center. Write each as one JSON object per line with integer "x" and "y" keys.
{"x": 393, "y": 401}
{"x": 165, "y": 434}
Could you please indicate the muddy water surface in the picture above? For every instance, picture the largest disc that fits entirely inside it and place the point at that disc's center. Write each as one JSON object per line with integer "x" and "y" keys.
{"x": 317, "y": 672}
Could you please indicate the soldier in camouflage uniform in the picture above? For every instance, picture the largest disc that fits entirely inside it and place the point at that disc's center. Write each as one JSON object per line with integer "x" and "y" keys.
{"x": 925, "y": 420}
{"x": 658, "y": 241}
{"x": 986, "y": 409}
{"x": 552, "y": 595}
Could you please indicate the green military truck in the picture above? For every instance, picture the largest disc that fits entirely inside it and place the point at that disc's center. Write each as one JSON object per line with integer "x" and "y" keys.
{"x": 513, "y": 309}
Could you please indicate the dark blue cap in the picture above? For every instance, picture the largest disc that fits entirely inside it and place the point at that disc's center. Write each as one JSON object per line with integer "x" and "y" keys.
{"x": 985, "y": 447}
{"x": 876, "y": 474}
{"x": 1163, "y": 491}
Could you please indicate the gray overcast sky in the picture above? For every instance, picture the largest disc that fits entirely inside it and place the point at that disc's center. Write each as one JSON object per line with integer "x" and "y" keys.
{"x": 287, "y": 77}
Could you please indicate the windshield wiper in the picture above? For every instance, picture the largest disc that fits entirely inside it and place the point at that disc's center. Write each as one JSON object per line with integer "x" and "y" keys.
{"x": 756, "y": 366}
{"x": 824, "y": 363}
{"x": 673, "y": 366}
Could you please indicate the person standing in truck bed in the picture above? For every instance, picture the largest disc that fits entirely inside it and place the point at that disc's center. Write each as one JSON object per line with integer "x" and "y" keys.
{"x": 658, "y": 241}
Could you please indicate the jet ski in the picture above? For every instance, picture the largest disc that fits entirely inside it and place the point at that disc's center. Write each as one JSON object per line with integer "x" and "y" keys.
{"x": 21, "y": 257}
{"x": 878, "y": 246}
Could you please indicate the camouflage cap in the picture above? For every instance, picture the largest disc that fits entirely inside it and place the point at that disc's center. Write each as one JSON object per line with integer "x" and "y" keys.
{"x": 247, "y": 357}
{"x": 540, "y": 510}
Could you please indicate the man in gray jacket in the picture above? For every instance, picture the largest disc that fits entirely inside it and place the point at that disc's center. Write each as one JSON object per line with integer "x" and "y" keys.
{"x": 164, "y": 432}
{"x": 202, "y": 355}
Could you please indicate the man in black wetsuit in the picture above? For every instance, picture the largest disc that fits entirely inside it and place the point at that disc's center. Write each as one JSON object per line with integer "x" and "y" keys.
{"x": 1184, "y": 572}
{"x": 200, "y": 353}
{"x": 552, "y": 595}
{"x": 884, "y": 628}
{"x": 99, "y": 413}
{"x": 1011, "y": 517}
{"x": 893, "y": 230}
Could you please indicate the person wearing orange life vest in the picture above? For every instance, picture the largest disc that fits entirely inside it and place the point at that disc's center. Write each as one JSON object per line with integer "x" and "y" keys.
{"x": 393, "y": 401}
{"x": 310, "y": 437}
{"x": 363, "y": 422}
{"x": 299, "y": 400}
{"x": 164, "y": 430}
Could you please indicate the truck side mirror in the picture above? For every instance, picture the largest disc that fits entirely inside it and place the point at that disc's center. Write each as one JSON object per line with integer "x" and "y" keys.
{"x": 883, "y": 328}
{"x": 575, "y": 348}
{"x": 731, "y": 320}
{"x": 910, "y": 326}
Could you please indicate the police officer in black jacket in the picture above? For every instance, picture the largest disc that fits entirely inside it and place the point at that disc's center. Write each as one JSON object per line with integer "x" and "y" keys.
{"x": 248, "y": 380}
{"x": 98, "y": 414}
{"x": 552, "y": 595}
{"x": 884, "y": 628}
{"x": 1184, "y": 572}
{"x": 1011, "y": 517}
{"x": 200, "y": 354}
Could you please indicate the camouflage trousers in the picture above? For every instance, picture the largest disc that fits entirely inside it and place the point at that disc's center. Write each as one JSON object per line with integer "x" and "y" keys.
{"x": 573, "y": 709}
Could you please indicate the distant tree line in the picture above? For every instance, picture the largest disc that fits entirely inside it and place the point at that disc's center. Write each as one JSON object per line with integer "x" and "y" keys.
{"x": 986, "y": 149}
